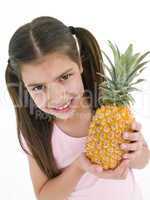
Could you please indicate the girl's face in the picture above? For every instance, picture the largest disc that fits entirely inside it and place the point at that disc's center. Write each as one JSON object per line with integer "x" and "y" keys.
{"x": 54, "y": 82}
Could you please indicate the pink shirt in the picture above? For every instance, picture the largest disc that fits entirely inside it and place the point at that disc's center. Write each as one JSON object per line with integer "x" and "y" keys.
{"x": 66, "y": 149}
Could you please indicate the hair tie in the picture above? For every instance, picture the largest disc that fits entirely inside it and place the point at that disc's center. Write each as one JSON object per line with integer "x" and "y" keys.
{"x": 8, "y": 61}
{"x": 72, "y": 30}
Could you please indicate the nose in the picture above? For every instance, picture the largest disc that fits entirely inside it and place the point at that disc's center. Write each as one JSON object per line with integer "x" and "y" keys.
{"x": 56, "y": 94}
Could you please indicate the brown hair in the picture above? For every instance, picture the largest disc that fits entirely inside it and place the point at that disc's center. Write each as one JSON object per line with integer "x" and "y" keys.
{"x": 31, "y": 41}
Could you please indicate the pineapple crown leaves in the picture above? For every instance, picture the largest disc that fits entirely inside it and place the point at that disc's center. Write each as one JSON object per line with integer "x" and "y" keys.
{"x": 122, "y": 72}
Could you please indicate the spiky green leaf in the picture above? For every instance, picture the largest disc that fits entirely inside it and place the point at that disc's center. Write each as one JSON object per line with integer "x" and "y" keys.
{"x": 122, "y": 72}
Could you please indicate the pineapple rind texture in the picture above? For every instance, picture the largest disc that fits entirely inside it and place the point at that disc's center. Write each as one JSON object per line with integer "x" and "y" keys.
{"x": 105, "y": 135}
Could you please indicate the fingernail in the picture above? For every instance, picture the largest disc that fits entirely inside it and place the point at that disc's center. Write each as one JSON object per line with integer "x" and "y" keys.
{"x": 125, "y": 156}
{"x": 125, "y": 135}
{"x": 123, "y": 146}
{"x": 98, "y": 169}
{"x": 133, "y": 125}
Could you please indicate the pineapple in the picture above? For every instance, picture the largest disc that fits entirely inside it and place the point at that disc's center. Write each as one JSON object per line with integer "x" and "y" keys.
{"x": 114, "y": 116}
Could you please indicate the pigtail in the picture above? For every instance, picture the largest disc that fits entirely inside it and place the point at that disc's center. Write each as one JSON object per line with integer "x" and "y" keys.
{"x": 91, "y": 59}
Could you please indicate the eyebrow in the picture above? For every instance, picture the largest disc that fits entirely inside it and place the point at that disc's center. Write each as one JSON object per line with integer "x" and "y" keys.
{"x": 35, "y": 84}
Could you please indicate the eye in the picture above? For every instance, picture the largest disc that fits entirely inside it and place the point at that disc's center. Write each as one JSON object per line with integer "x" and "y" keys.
{"x": 37, "y": 88}
{"x": 65, "y": 77}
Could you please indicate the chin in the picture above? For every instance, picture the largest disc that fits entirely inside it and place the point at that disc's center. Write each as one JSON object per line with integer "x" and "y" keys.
{"x": 63, "y": 116}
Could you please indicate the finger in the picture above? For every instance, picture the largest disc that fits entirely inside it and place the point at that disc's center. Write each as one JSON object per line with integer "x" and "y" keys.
{"x": 97, "y": 169}
{"x": 125, "y": 173}
{"x": 122, "y": 165}
{"x": 119, "y": 170}
{"x": 132, "y": 146}
{"x": 108, "y": 174}
{"x": 85, "y": 161}
{"x": 115, "y": 174}
{"x": 132, "y": 155}
{"x": 136, "y": 126}
{"x": 132, "y": 136}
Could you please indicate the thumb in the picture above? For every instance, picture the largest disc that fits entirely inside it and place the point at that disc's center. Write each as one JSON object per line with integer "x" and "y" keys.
{"x": 97, "y": 168}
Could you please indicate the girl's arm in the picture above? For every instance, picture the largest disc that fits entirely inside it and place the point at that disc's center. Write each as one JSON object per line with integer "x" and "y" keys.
{"x": 59, "y": 188}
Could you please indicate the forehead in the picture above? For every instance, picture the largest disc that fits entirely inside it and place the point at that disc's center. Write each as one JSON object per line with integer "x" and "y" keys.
{"x": 47, "y": 68}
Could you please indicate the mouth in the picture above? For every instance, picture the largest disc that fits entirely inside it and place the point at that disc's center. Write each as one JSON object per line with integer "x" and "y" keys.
{"x": 65, "y": 108}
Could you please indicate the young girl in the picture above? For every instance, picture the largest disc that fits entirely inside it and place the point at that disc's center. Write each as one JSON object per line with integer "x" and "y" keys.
{"x": 52, "y": 80}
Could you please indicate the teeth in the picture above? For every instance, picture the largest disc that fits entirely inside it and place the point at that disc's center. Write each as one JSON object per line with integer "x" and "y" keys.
{"x": 60, "y": 108}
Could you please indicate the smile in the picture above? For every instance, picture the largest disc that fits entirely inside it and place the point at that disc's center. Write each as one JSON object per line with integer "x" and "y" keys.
{"x": 64, "y": 108}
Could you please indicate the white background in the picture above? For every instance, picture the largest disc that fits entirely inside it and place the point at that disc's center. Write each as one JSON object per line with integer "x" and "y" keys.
{"x": 121, "y": 22}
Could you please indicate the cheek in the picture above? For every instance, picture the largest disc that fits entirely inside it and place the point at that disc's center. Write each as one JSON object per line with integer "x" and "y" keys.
{"x": 39, "y": 99}
{"x": 76, "y": 87}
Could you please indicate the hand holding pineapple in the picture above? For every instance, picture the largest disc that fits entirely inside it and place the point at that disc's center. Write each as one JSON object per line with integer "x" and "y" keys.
{"x": 84, "y": 165}
{"x": 133, "y": 150}
{"x": 114, "y": 116}
{"x": 136, "y": 142}
{"x": 137, "y": 150}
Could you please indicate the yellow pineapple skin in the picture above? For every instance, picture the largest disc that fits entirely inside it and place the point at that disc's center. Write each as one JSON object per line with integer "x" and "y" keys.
{"x": 106, "y": 135}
